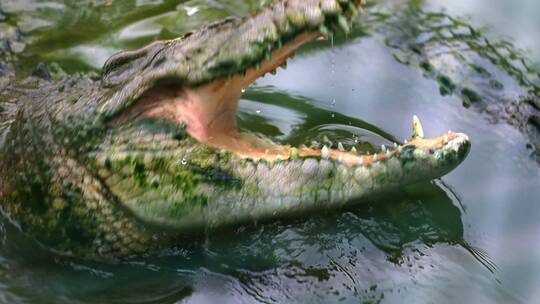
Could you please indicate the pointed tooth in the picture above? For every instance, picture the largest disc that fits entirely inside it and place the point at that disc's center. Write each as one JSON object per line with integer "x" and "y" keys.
{"x": 343, "y": 23}
{"x": 353, "y": 150}
{"x": 326, "y": 140}
{"x": 324, "y": 31}
{"x": 418, "y": 131}
{"x": 395, "y": 145}
{"x": 405, "y": 141}
{"x": 361, "y": 161}
{"x": 340, "y": 147}
{"x": 352, "y": 8}
{"x": 383, "y": 148}
{"x": 294, "y": 154}
{"x": 374, "y": 157}
{"x": 325, "y": 152}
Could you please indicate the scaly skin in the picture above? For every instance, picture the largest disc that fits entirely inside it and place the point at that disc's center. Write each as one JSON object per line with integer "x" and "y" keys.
{"x": 100, "y": 168}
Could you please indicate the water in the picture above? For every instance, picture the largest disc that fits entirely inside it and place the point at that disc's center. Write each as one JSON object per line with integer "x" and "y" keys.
{"x": 471, "y": 237}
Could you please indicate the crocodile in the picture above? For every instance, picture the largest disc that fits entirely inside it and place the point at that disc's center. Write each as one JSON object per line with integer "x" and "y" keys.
{"x": 130, "y": 162}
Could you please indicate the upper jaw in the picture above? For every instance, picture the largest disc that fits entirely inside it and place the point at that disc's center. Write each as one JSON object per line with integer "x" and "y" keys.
{"x": 224, "y": 50}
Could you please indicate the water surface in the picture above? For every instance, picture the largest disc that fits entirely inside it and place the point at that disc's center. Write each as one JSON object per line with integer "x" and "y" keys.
{"x": 471, "y": 237}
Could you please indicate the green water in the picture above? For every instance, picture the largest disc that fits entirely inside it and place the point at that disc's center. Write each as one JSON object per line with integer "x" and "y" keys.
{"x": 471, "y": 237}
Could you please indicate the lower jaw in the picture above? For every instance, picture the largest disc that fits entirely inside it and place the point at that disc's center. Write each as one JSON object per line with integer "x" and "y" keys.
{"x": 250, "y": 146}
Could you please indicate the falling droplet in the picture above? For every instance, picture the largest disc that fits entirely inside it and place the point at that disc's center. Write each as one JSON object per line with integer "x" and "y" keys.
{"x": 258, "y": 111}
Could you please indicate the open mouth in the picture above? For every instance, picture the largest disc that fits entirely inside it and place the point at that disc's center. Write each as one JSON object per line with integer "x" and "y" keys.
{"x": 207, "y": 109}
{"x": 208, "y": 112}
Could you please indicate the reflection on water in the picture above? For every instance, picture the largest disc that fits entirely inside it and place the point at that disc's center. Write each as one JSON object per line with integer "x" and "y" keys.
{"x": 467, "y": 238}
{"x": 344, "y": 254}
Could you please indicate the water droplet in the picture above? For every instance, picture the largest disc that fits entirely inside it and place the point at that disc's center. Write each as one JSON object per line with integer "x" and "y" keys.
{"x": 243, "y": 90}
{"x": 333, "y": 103}
{"x": 191, "y": 10}
{"x": 258, "y": 111}
{"x": 333, "y": 115}
{"x": 184, "y": 161}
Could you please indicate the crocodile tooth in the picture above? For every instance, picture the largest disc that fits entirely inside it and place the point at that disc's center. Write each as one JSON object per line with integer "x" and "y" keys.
{"x": 352, "y": 8}
{"x": 383, "y": 148}
{"x": 294, "y": 154}
{"x": 324, "y": 31}
{"x": 325, "y": 152}
{"x": 353, "y": 149}
{"x": 326, "y": 140}
{"x": 343, "y": 23}
{"x": 418, "y": 131}
{"x": 395, "y": 145}
{"x": 340, "y": 147}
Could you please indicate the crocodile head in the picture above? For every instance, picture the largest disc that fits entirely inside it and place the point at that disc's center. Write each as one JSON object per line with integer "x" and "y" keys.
{"x": 211, "y": 173}
{"x": 164, "y": 144}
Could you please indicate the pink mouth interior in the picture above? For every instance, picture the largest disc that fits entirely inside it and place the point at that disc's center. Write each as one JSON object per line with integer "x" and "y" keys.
{"x": 209, "y": 114}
